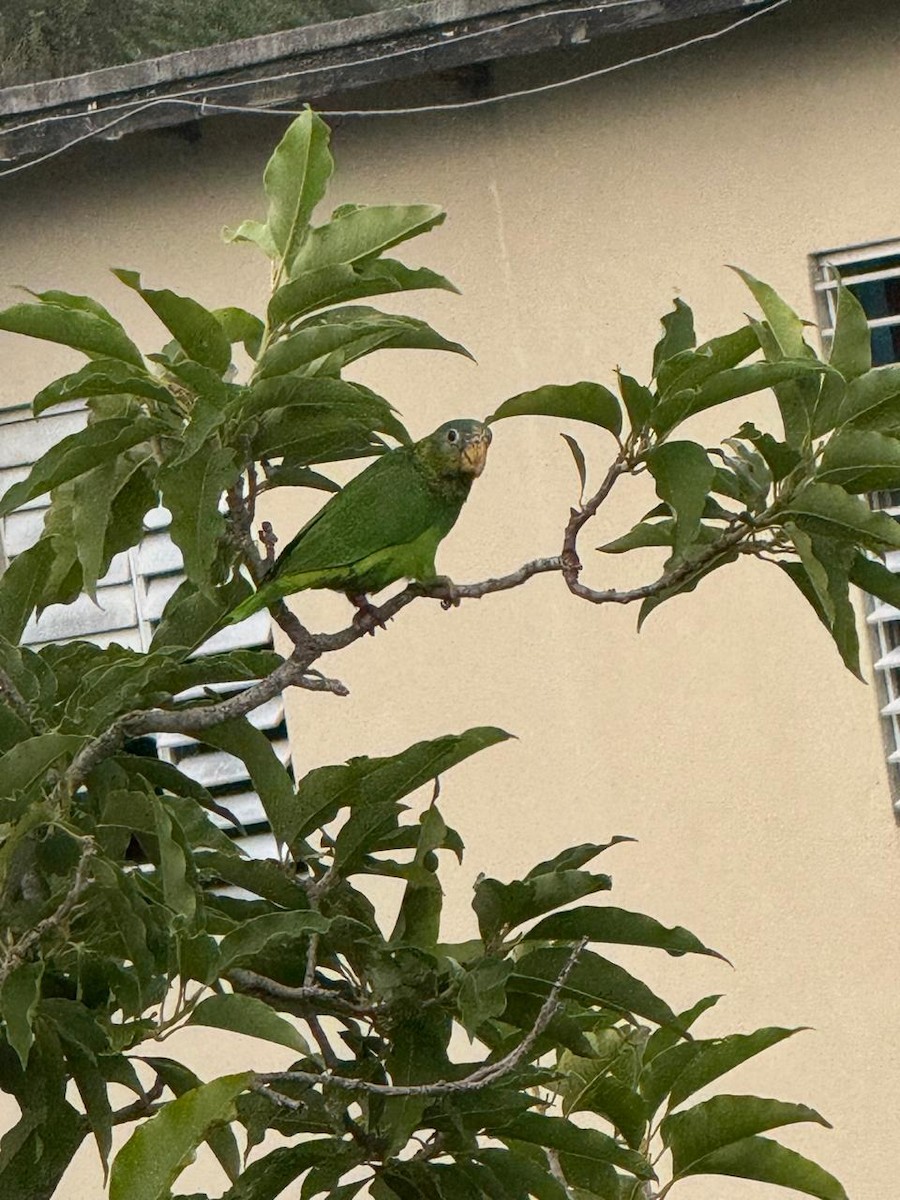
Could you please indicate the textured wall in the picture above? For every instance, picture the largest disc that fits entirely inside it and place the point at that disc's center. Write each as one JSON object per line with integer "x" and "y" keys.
{"x": 727, "y": 737}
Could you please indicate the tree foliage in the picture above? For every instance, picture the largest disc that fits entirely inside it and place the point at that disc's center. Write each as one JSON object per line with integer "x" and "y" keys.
{"x": 129, "y": 912}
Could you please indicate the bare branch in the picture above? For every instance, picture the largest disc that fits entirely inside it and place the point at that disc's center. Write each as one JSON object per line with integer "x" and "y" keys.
{"x": 298, "y": 999}
{"x": 482, "y": 1078}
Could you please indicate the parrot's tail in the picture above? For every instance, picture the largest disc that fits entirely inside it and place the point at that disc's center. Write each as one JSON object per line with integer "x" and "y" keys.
{"x": 249, "y": 606}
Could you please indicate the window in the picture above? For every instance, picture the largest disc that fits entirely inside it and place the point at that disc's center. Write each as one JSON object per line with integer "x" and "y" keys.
{"x": 130, "y": 600}
{"x": 872, "y": 273}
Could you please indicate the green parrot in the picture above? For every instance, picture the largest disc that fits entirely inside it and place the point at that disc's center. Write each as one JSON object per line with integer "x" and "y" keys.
{"x": 385, "y": 525}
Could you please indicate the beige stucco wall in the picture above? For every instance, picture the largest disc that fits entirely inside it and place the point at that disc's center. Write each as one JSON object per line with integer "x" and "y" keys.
{"x": 727, "y": 737}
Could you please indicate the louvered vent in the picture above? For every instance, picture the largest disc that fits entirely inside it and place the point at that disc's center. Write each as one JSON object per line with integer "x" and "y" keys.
{"x": 130, "y": 600}
{"x": 872, "y": 273}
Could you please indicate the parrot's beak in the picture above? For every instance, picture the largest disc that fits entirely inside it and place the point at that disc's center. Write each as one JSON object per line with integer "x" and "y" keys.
{"x": 474, "y": 453}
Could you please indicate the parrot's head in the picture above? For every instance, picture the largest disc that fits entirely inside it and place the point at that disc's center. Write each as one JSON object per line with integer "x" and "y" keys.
{"x": 457, "y": 448}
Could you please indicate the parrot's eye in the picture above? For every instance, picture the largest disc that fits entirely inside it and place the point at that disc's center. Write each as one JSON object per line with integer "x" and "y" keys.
{"x": 452, "y": 436}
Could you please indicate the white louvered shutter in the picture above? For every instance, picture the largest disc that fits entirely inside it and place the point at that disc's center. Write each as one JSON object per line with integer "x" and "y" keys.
{"x": 130, "y": 600}
{"x": 872, "y": 273}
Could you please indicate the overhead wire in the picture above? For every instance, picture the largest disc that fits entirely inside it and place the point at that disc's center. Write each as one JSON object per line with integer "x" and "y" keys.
{"x": 190, "y": 100}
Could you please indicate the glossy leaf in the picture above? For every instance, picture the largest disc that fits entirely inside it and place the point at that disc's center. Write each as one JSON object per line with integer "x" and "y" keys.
{"x": 784, "y": 323}
{"x": 250, "y": 1017}
{"x": 639, "y": 401}
{"x": 19, "y": 997}
{"x": 191, "y": 615}
{"x": 295, "y": 180}
{"x": 241, "y": 326}
{"x": 861, "y": 461}
{"x": 158, "y": 1151}
{"x": 102, "y": 377}
{"x": 363, "y": 233}
{"x": 871, "y": 401}
{"x": 502, "y": 906}
{"x": 558, "y": 1134}
{"x": 590, "y": 402}
{"x": 341, "y": 283}
{"x": 678, "y": 335}
{"x": 270, "y": 778}
{"x": 684, "y": 475}
{"x": 823, "y": 508}
{"x": 325, "y": 791}
{"x": 851, "y": 342}
{"x": 761, "y": 1159}
{"x": 609, "y": 924}
{"x": 28, "y": 761}
{"x": 254, "y": 935}
{"x": 482, "y": 994}
{"x": 77, "y": 454}
{"x": 593, "y": 981}
{"x": 580, "y": 465}
{"x": 82, "y": 329}
{"x": 194, "y": 327}
{"x": 875, "y": 578}
{"x": 691, "y": 368}
{"x": 686, "y": 1068}
{"x": 574, "y": 857}
{"x": 715, "y": 1123}
{"x": 191, "y": 490}
{"x": 266, "y": 1178}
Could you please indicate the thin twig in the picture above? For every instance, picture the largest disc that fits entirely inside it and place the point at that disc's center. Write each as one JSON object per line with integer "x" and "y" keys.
{"x": 15, "y": 699}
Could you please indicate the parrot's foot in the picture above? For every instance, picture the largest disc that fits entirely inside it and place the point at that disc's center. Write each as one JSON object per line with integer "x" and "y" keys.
{"x": 367, "y": 617}
{"x": 444, "y": 589}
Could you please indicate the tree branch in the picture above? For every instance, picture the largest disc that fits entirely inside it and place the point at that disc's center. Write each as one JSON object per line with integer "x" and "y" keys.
{"x": 482, "y": 1078}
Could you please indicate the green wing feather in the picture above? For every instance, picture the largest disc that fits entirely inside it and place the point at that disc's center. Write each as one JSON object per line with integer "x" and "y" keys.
{"x": 385, "y": 524}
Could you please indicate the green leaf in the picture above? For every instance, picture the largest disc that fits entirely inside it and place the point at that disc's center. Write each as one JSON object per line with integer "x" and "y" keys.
{"x": 361, "y": 832}
{"x": 27, "y": 762}
{"x": 870, "y": 401}
{"x": 248, "y": 1016}
{"x": 861, "y": 461}
{"x": 663, "y": 1039}
{"x": 591, "y": 402}
{"x": 574, "y": 857}
{"x": 178, "y": 893}
{"x": 77, "y": 454}
{"x": 580, "y": 465}
{"x": 728, "y": 385}
{"x": 325, "y": 791}
{"x": 253, "y": 231}
{"x": 194, "y": 327}
{"x": 684, "y": 475}
{"x": 102, "y": 377}
{"x": 522, "y": 1176}
{"x": 688, "y": 1067}
{"x": 271, "y": 780}
{"x": 780, "y": 458}
{"x": 786, "y": 326}
{"x": 363, "y": 233}
{"x": 609, "y": 924}
{"x": 80, "y": 328}
{"x": 691, "y": 368}
{"x": 316, "y": 397}
{"x": 191, "y": 616}
{"x": 266, "y": 1178}
{"x": 158, "y": 1151}
{"x": 590, "y": 1087}
{"x": 851, "y": 343}
{"x": 418, "y": 1054}
{"x": 502, "y": 906}
{"x": 825, "y": 509}
{"x": 639, "y": 401}
{"x": 191, "y": 490}
{"x": 678, "y": 335}
{"x": 180, "y": 1079}
{"x": 482, "y": 994}
{"x": 22, "y": 585}
{"x": 241, "y": 326}
{"x": 714, "y": 1124}
{"x": 556, "y": 1133}
{"x": 295, "y": 179}
{"x": 19, "y": 997}
{"x": 593, "y": 981}
{"x": 109, "y": 506}
{"x": 875, "y": 578}
{"x": 768, "y": 1162}
{"x": 341, "y": 283}
{"x": 92, "y": 1087}
{"x": 254, "y": 935}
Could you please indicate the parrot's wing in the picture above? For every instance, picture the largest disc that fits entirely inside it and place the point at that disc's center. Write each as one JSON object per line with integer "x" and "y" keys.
{"x": 388, "y": 504}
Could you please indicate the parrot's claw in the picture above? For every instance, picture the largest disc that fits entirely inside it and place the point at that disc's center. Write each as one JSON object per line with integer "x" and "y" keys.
{"x": 367, "y": 617}
{"x": 444, "y": 584}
